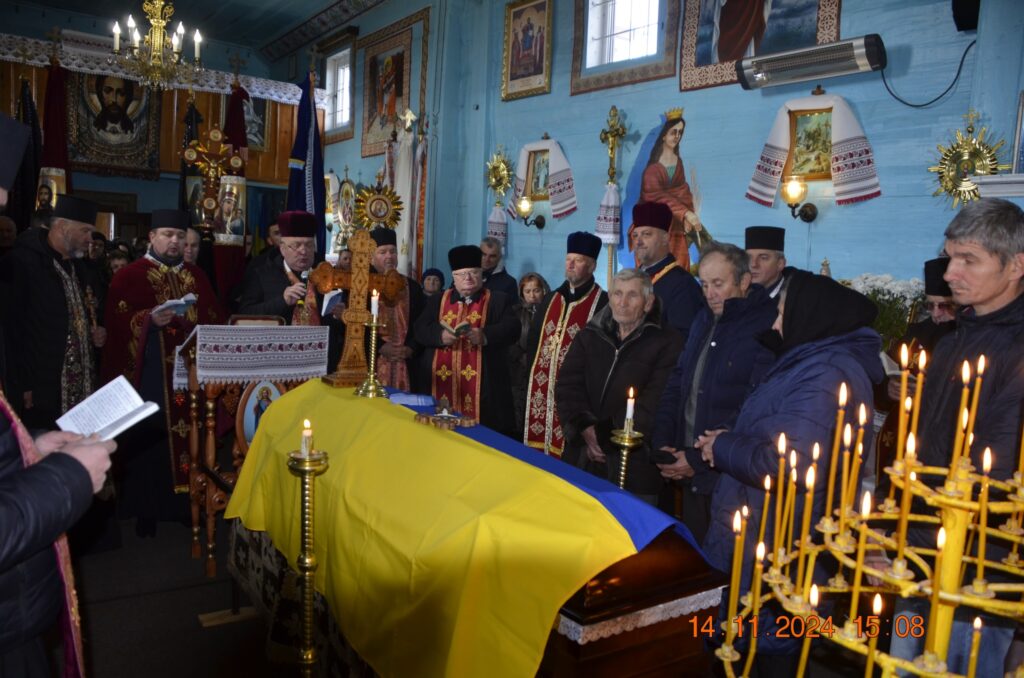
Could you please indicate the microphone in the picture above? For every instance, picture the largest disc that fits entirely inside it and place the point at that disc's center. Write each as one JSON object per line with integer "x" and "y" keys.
{"x": 302, "y": 300}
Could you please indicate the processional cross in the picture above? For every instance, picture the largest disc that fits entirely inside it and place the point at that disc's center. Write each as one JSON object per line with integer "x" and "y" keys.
{"x": 214, "y": 158}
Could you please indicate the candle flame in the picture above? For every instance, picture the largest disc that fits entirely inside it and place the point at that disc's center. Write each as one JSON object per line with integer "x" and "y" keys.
{"x": 117, "y": 28}
{"x": 782, "y": 444}
{"x": 913, "y": 476}
{"x": 865, "y": 505}
{"x": 922, "y": 360}
{"x": 908, "y": 404}
{"x": 745, "y": 512}
{"x": 736, "y": 522}
{"x": 860, "y": 449}
{"x": 940, "y": 541}
{"x": 847, "y": 435}
{"x": 977, "y": 623}
{"x": 810, "y": 479}
{"x": 792, "y": 458}
{"x": 862, "y": 415}
{"x": 375, "y": 294}
{"x": 305, "y": 423}
{"x": 876, "y": 604}
{"x": 842, "y": 394}
{"x": 814, "y": 595}
{"x": 963, "y": 419}
{"x": 970, "y": 440}
{"x": 965, "y": 372}
{"x": 986, "y": 463}
{"x": 767, "y": 483}
{"x": 815, "y": 452}
{"x": 792, "y": 476}
{"x": 760, "y": 551}
{"x": 904, "y": 356}
{"x": 911, "y": 444}
{"x": 981, "y": 364}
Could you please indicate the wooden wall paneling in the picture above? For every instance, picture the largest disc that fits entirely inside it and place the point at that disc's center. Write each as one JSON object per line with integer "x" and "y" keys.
{"x": 11, "y": 74}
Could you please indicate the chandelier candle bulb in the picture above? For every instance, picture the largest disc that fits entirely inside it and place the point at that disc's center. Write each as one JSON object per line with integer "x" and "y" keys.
{"x": 755, "y": 603}
{"x": 198, "y": 39}
{"x": 958, "y": 441}
{"x": 135, "y": 38}
{"x": 922, "y": 361}
{"x": 940, "y": 543}
{"x": 180, "y": 30}
{"x": 840, "y": 414}
{"x": 805, "y": 528}
{"x": 972, "y": 661}
{"x": 969, "y": 435}
{"x": 175, "y": 44}
{"x": 117, "y": 37}
{"x": 307, "y": 438}
{"x": 780, "y": 500}
{"x": 865, "y": 511}
{"x": 876, "y": 609}
{"x": 986, "y": 465}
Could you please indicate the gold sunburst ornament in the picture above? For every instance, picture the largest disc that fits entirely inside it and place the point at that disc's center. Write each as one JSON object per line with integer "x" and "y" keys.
{"x": 499, "y": 174}
{"x": 378, "y": 206}
{"x": 966, "y": 157}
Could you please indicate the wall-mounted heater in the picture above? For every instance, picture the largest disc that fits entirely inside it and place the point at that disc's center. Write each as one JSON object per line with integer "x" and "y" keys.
{"x": 856, "y": 55}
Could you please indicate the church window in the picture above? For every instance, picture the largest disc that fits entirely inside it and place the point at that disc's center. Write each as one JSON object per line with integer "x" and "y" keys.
{"x": 621, "y": 30}
{"x": 339, "y": 88}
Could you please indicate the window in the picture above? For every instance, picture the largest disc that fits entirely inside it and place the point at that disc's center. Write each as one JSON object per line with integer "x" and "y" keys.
{"x": 339, "y": 88}
{"x": 620, "y": 30}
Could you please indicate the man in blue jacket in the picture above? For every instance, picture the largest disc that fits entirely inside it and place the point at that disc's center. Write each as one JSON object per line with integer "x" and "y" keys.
{"x": 723, "y": 360}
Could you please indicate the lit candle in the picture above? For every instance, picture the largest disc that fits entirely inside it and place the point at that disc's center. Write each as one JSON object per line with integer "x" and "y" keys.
{"x": 755, "y": 605}
{"x": 175, "y": 45}
{"x": 922, "y": 360}
{"x": 806, "y": 646}
{"x": 764, "y": 507}
{"x": 862, "y": 420}
{"x": 940, "y": 543}
{"x": 630, "y": 405}
{"x": 815, "y": 453}
{"x": 865, "y": 511}
{"x": 974, "y": 405}
{"x": 908, "y": 477}
{"x": 375, "y": 309}
{"x": 876, "y": 609}
{"x": 136, "y": 38}
{"x": 986, "y": 466}
{"x": 734, "y": 585}
{"x": 180, "y": 30}
{"x": 307, "y": 438}
{"x": 858, "y": 459}
{"x": 843, "y": 500}
{"x": 790, "y": 510}
{"x": 779, "y": 501}
{"x": 901, "y": 433}
{"x": 117, "y": 37}
{"x": 958, "y": 441}
{"x": 805, "y": 528}
{"x": 198, "y": 39}
{"x": 972, "y": 661}
{"x": 840, "y": 413}
{"x": 130, "y": 23}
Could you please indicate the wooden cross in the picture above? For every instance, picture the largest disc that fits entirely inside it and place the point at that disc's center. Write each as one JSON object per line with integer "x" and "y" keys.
{"x": 351, "y": 369}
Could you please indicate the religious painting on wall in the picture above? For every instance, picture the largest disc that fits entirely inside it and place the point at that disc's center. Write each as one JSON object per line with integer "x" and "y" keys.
{"x": 52, "y": 182}
{"x": 253, "y": 404}
{"x": 537, "y": 175}
{"x": 526, "y": 56}
{"x": 717, "y": 33}
{"x": 810, "y": 152}
{"x": 113, "y": 126}
{"x": 194, "y": 197}
{"x": 257, "y": 120}
{"x": 229, "y": 216}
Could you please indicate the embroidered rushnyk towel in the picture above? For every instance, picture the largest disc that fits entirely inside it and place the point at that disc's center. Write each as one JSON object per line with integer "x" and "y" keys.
{"x": 561, "y": 190}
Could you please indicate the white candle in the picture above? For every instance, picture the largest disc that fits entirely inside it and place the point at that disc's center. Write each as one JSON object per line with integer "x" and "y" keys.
{"x": 136, "y": 38}
{"x": 117, "y": 37}
{"x": 175, "y": 45}
{"x": 307, "y": 438}
{"x": 374, "y": 304}
{"x": 198, "y": 40}
{"x": 630, "y": 403}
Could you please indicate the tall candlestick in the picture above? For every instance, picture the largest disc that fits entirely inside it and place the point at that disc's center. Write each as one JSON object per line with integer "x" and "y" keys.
{"x": 843, "y": 481}
{"x": 922, "y": 360}
{"x": 117, "y": 37}
{"x": 307, "y": 438}
{"x": 876, "y": 609}
{"x": 865, "y": 511}
{"x": 755, "y": 604}
{"x": 958, "y": 440}
{"x": 777, "y": 537}
{"x": 940, "y": 543}
{"x": 972, "y": 661}
{"x": 630, "y": 405}
{"x": 974, "y": 405}
{"x": 908, "y": 477}
{"x": 840, "y": 413}
{"x": 734, "y": 584}
{"x": 375, "y": 308}
{"x": 805, "y": 528}
{"x": 986, "y": 465}
{"x": 764, "y": 508}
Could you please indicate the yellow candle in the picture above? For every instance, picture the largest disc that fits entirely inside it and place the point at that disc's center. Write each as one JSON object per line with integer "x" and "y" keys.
{"x": 972, "y": 662}
{"x": 779, "y": 502}
{"x": 902, "y": 421}
{"x": 791, "y": 511}
{"x": 805, "y": 528}
{"x": 862, "y": 419}
{"x": 922, "y": 360}
{"x": 986, "y": 466}
{"x": 806, "y": 646}
{"x": 840, "y": 413}
{"x": 876, "y": 609}
{"x": 764, "y": 507}
{"x": 843, "y": 501}
{"x": 958, "y": 440}
{"x": 865, "y": 511}
{"x": 974, "y": 404}
{"x": 755, "y": 605}
{"x": 734, "y": 584}
{"x": 858, "y": 459}
{"x": 940, "y": 543}
{"x": 307, "y": 438}
{"x": 908, "y": 476}
{"x": 1020, "y": 457}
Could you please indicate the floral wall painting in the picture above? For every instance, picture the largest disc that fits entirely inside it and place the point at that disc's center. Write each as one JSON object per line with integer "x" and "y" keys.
{"x": 717, "y": 33}
{"x": 526, "y": 56}
{"x": 810, "y": 152}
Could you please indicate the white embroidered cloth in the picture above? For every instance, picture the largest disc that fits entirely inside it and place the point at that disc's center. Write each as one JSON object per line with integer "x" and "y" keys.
{"x": 561, "y": 190}
{"x": 609, "y": 216}
{"x": 497, "y": 224}
{"x": 239, "y": 354}
{"x": 854, "y": 175}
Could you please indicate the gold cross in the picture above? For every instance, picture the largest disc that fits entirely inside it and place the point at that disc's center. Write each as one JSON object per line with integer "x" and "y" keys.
{"x": 971, "y": 116}
{"x": 610, "y": 136}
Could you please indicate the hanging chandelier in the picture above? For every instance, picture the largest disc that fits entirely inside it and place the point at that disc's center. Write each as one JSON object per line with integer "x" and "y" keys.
{"x": 156, "y": 59}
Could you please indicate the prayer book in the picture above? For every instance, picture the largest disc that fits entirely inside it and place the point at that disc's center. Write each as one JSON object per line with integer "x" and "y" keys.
{"x": 107, "y": 412}
{"x": 179, "y": 306}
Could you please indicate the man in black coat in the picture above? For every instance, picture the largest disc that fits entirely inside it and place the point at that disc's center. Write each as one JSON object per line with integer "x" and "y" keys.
{"x": 678, "y": 291}
{"x": 465, "y": 333}
{"x": 722, "y": 362}
{"x": 51, "y": 356}
{"x": 496, "y": 279}
{"x": 766, "y": 249}
{"x": 624, "y": 346}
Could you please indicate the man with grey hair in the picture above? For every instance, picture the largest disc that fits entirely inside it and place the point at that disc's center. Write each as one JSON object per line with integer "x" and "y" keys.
{"x": 623, "y": 347}
{"x": 496, "y": 279}
{"x": 985, "y": 244}
{"x": 721, "y": 363}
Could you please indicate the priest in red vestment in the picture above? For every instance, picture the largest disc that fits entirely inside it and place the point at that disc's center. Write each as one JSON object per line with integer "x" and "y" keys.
{"x": 141, "y": 343}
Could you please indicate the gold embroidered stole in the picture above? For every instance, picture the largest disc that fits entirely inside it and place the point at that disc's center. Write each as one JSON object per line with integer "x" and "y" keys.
{"x": 456, "y": 371}
{"x": 562, "y": 322}
{"x": 305, "y": 313}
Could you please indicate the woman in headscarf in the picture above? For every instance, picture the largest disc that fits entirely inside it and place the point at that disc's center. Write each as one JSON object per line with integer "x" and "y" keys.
{"x": 822, "y": 338}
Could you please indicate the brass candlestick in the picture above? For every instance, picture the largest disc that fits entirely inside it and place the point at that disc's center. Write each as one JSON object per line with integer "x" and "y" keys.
{"x": 626, "y": 438}
{"x": 371, "y": 386}
{"x": 307, "y": 468}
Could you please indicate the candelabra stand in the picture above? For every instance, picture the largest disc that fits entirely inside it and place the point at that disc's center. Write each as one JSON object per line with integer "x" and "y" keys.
{"x": 371, "y": 386}
{"x": 307, "y": 468}
{"x": 626, "y": 438}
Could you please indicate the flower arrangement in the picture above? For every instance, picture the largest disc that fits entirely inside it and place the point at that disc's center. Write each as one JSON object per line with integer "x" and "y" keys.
{"x": 895, "y": 299}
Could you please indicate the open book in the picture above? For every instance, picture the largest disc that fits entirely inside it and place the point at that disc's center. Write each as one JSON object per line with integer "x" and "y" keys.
{"x": 107, "y": 412}
{"x": 179, "y": 306}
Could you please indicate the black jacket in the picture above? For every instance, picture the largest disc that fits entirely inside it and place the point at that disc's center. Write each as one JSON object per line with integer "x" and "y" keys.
{"x": 596, "y": 375}
{"x": 501, "y": 281}
{"x": 680, "y": 295}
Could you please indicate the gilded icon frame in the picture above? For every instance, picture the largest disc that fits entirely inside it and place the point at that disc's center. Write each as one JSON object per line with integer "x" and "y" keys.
{"x": 800, "y": 162}
{"x": 530, "y": 80}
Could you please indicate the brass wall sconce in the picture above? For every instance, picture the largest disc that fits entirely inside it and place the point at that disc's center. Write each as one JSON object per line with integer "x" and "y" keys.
{"x": 524, "y": 207}
{"x": 794, "y": 191}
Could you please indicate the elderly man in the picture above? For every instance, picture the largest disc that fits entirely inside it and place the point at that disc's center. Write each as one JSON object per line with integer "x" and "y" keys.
{"x": 678, "y": 291}
{"x": 465, "y": 332}
{"x": 398, "y": 348}
{"x": 559, "y": 318}
{"x": 496, "y": 278}
{"x": 985, "y": 244}
{"x": 766, "y": 246}
{"x": 623, "y": 346}
{"x": 52, "y": 367}
{"x": 276, "y": 285}
{"x": 192, "y": 245}
{"x": 722, "y": 362}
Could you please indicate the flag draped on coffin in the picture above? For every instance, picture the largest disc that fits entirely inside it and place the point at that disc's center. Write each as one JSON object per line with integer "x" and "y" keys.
{"x": 306, "y": 190}
{"x": 23, "y": 194}
{"x": 55, "y": 125}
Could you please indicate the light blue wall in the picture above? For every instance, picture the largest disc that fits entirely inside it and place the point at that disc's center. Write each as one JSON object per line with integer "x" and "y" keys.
{"x": 726, "y": 128}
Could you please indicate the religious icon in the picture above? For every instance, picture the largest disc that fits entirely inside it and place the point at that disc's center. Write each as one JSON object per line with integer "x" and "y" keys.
{"x": 253, "y": 404}
{"x": 537, "y": 175}
{"x": 387, "y": 90}
{"x": 113, "y": 101}
{"x": 44, "y": 194}
{"x": 810, "y": 156}
{"x": 229, "y": 215}
{"x": 527, "y": 50}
